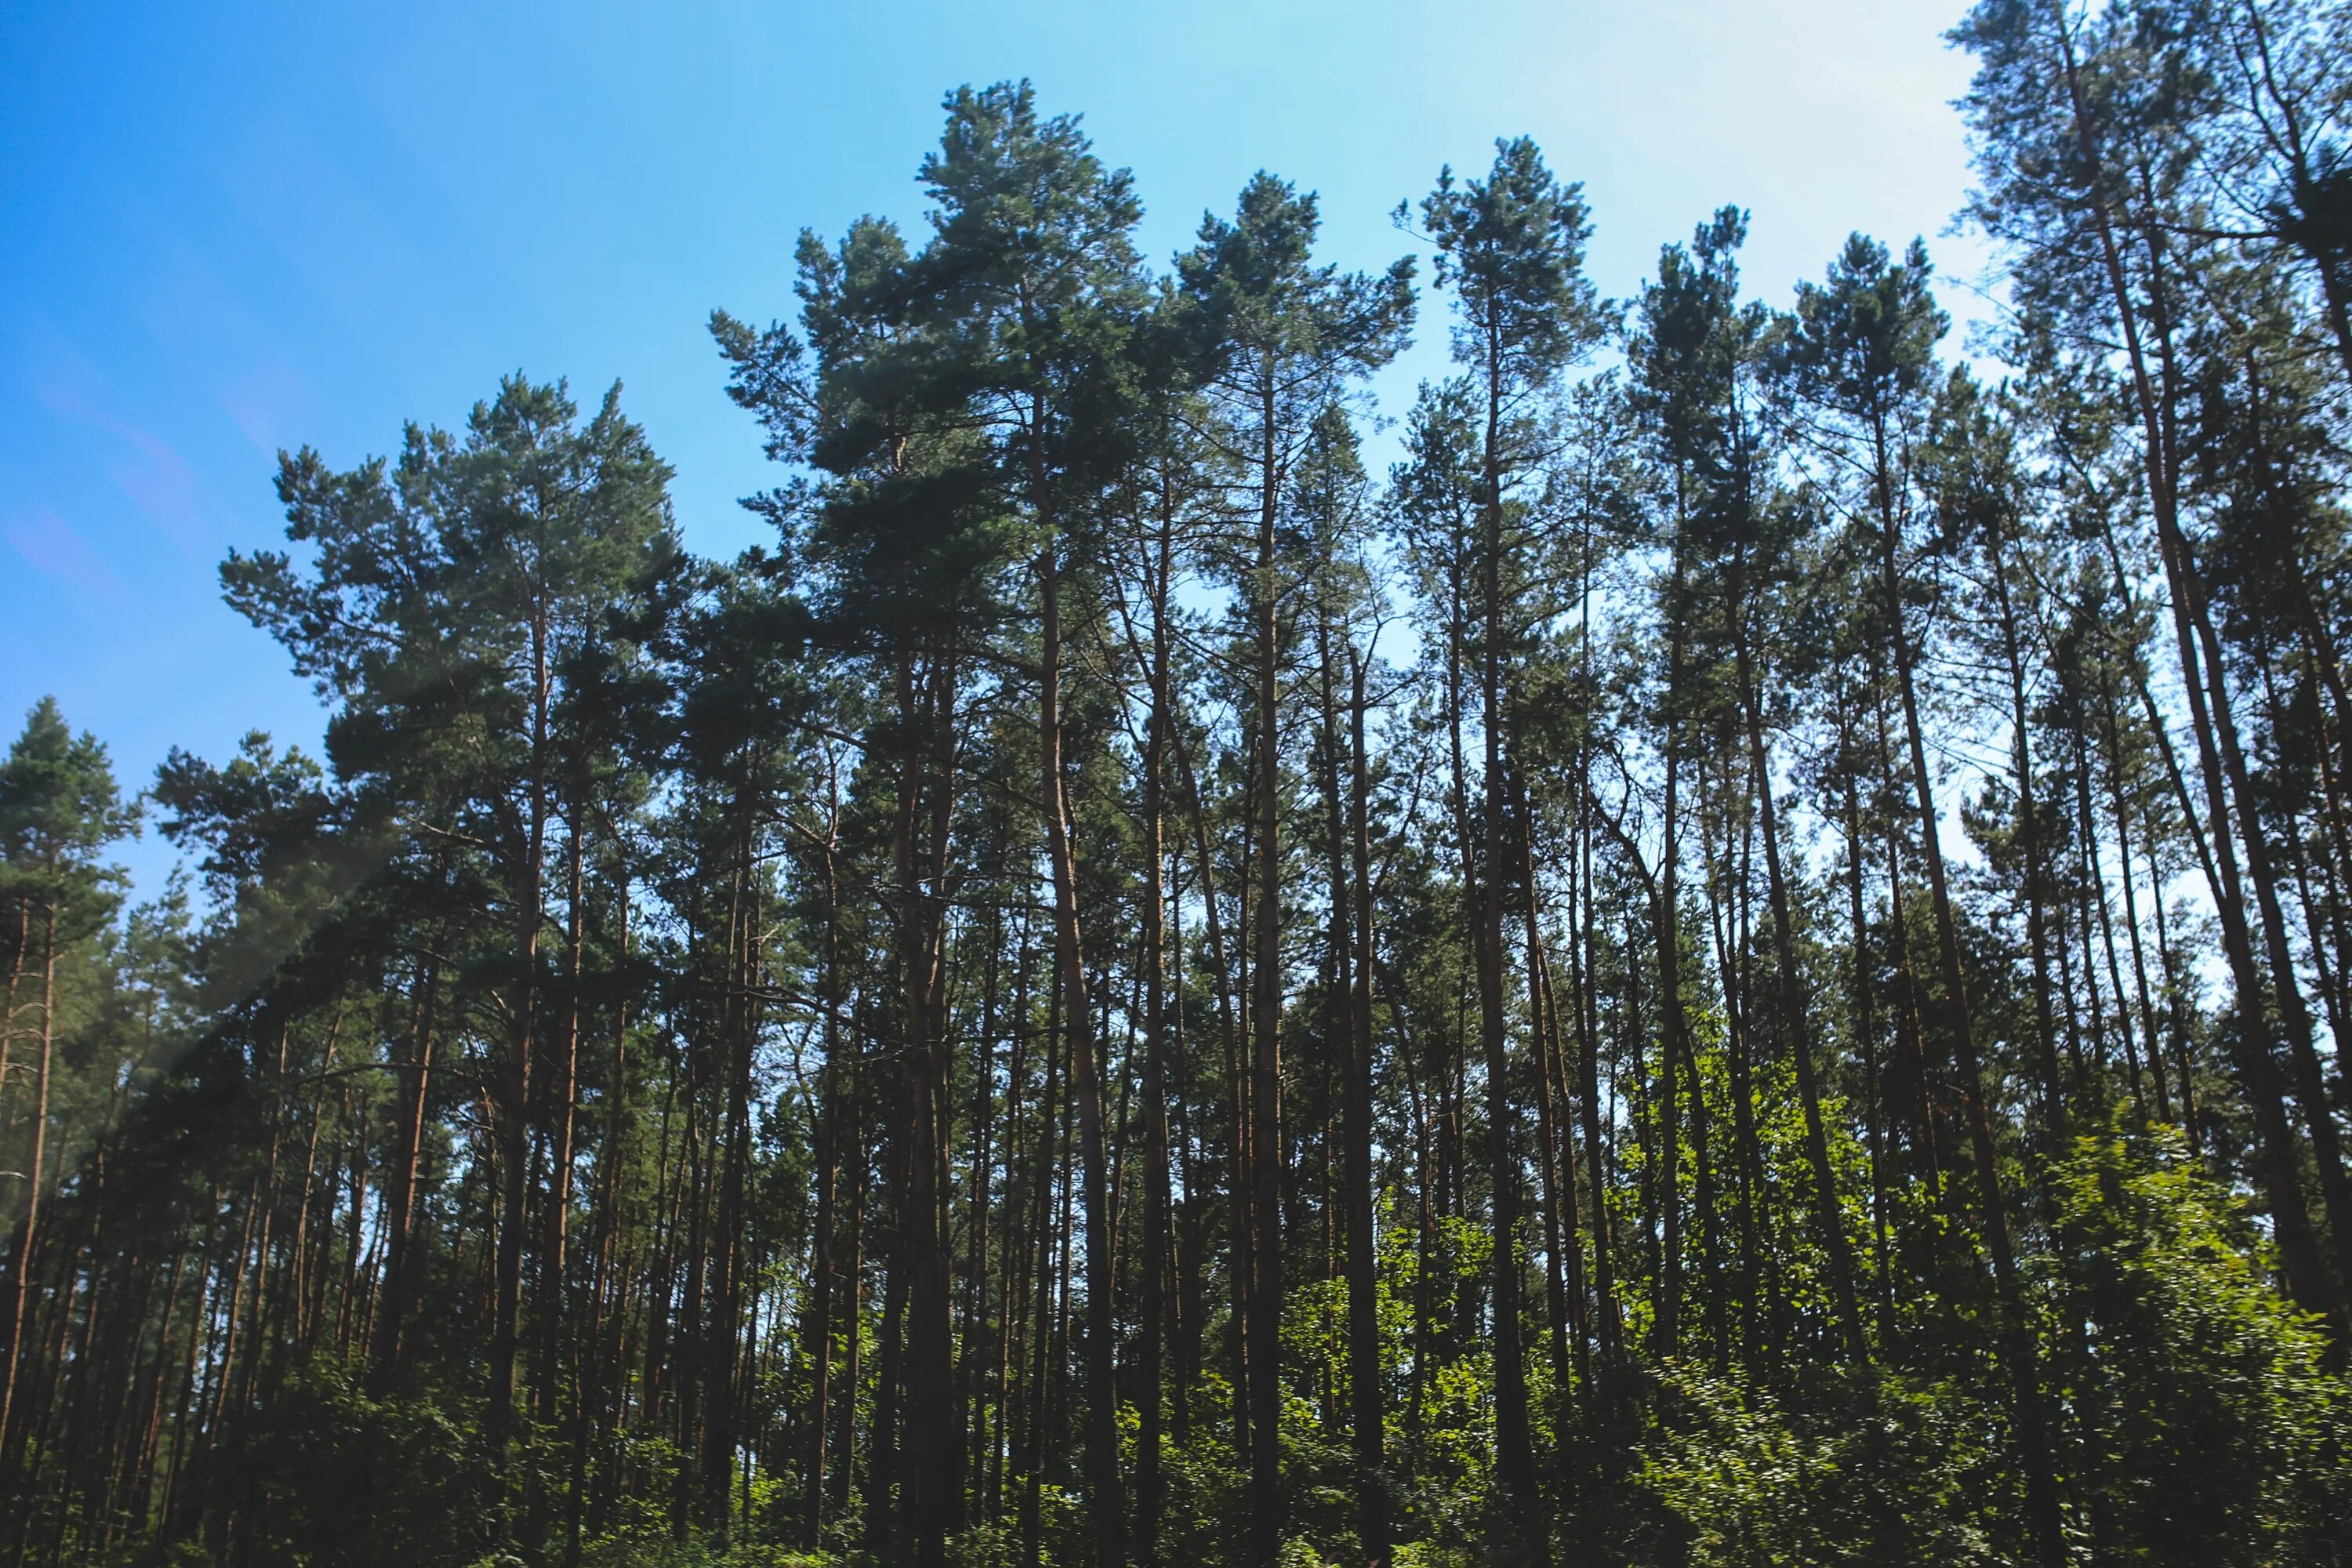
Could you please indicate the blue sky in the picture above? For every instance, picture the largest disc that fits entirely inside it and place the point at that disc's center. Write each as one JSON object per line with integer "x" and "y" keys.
{"x": 230, "y": 228}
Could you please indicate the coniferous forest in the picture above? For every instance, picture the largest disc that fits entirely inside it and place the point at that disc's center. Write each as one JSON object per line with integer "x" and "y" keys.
{"x": 1744, "y": 955}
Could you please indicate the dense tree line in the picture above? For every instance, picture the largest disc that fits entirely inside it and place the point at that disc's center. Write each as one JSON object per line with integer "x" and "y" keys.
{"x": 1745, "y": 958}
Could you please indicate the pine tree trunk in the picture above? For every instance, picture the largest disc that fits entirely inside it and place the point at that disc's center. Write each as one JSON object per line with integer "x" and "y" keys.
{"x": 1107, "y": 1502}
{"x": 562, "y": 1101}
{"x": 1156, "y": 1191}
{"x": 1795, "y": 1017}
{"x": 1514, "y": 1444}
{"x": 1365, "y": 1383}
{"x": 28, "y": 1232}
{"x": 2040, "y": 1482}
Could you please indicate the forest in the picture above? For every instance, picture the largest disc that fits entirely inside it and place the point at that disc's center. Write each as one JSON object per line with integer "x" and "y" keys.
{"x": 1746, "y": 957}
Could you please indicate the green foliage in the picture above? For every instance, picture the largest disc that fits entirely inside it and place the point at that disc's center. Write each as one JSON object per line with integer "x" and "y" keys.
{"x": 59, "y": 807}
{"x": 354, "y": 1480}
{"x": 2211, "y": 1428}
{"x": 1869, "y": 1468}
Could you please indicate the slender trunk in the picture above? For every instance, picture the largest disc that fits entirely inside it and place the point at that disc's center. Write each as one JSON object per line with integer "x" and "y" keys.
{"x": 1012, "y": 1301}
{"x": 1514, "y": 1444}
{"x": 885, "y": 1517}
{"x": 1543, "y": 1030}
{"x": 1795, "y": 1017}
{"x": 1865, "y": 1021}
{"x": 1674, "y": 1039}
{"x": 1372, "y": 1506}
{"x": 1106, "y": 1500}
{"x": 1726, "y": 918}
{"x": 1583, "y": 950}
{"x": 933, "y": 1487}
{"x": 599, "y": 1356}
{"x": 1156, "y": 1191}
{"x": 722, "y": 1348}
{"x": 1237, "y": 1120}
{"x": 1266, "y": 1152}
{"x": 2029, "y": 827}
{"x": 853, "y": 1340}
{"x": 830, "y": 1112}
{"x": 562, "y": 1102}
{"x": 2151, "y": 1037}
{"x": 29, "y": 1229}
{"x": 2041, "y": 1479}
{"x": 515, "y": 1085}
{"x": 971, "y": 1398}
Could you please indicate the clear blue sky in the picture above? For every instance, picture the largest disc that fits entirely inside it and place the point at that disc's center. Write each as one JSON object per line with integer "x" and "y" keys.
{"x": 230, "y": 228}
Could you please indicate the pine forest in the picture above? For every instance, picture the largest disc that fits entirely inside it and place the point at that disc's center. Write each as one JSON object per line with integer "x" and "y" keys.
{"x": 1725, "y": 939}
